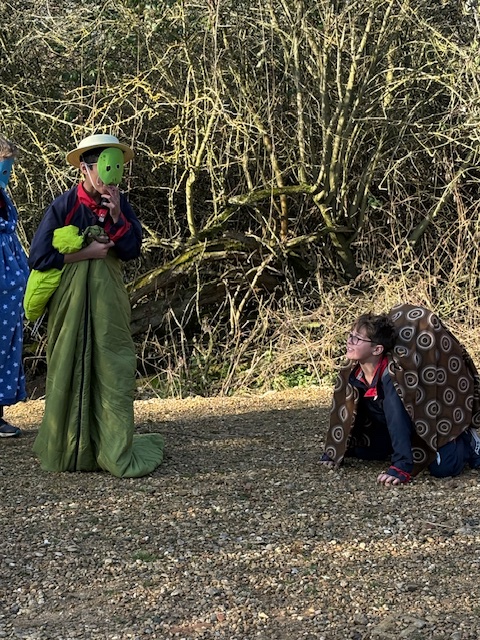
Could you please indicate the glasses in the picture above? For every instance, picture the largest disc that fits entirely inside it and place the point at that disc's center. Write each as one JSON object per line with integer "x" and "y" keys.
{"x": 356, "y": 339}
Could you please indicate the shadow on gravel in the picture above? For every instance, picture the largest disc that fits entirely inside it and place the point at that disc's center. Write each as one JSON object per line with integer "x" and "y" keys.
{"x": 239, "y": 535}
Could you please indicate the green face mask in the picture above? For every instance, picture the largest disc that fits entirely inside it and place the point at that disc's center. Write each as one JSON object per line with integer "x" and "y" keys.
{"x": 110, "y": 166}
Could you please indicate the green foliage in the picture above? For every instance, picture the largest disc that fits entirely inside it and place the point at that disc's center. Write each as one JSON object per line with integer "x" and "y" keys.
{"x": 297, "y": 377}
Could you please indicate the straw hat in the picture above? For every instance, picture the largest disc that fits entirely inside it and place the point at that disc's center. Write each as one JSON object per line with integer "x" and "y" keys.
{"x": 97, "y": 140}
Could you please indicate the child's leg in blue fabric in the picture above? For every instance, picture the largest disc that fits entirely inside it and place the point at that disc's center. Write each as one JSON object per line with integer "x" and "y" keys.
{"x": 400, "y": 428}
{"x": 451, "y": 458}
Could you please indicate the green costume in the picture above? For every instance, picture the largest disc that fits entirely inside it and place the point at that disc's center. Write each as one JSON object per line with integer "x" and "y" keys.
{"x": 88, "y": 422}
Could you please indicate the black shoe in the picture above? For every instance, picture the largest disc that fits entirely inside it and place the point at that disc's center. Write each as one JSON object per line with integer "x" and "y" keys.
{"x": 8, "y": 430}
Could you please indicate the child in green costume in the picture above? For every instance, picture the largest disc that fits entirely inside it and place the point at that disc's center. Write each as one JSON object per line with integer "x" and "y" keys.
{"x": 89, "y": 421}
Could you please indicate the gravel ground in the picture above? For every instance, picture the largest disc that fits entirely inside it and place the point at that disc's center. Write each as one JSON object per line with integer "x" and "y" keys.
{"x": 239, "y": 535}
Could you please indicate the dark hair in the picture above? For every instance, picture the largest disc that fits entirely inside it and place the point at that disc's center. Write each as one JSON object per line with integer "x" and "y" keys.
{"x": 379, "y": 329}
{"x": 91, "y": 156}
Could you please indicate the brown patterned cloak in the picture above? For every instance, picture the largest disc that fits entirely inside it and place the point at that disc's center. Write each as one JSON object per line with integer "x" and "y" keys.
{"x": 435, "y": 378}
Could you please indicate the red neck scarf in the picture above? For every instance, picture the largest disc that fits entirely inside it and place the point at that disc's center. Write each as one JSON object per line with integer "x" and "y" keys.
{"x": 371, "y": 391}
{"x": 86, "y": 199}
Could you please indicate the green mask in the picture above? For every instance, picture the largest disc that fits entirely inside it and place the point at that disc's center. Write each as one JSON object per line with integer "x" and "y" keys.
{"x": 110, "y": 165}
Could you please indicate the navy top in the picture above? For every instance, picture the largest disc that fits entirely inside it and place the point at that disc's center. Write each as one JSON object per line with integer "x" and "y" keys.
{"x": 387, "y": 409}
{"x": 71, "y": 208}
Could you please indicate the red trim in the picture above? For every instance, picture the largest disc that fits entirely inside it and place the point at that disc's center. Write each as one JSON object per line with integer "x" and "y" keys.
{"x": 404, "y": 476}
{"x": 71, "y": 213}
{"x": 83, "y": 197}
{"x": 372, "y": 392}
{"x": 121, "y": 230}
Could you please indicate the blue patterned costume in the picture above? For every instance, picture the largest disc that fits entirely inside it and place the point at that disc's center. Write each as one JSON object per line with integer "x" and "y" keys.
{"x": 13, "y": 278}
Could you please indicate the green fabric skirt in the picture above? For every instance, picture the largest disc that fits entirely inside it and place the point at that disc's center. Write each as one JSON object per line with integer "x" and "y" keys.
{"x": 88, "y": 423}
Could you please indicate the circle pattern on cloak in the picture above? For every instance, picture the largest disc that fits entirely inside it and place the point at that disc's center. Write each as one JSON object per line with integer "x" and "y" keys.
{"x": 419, "y": 456}
{"x": 446, "y": 343}
{"x": 432, "y": 409}
{"x": 463, "y": 384}
{"x": 444, "y": 427}
{"x": 411, "y": 379}
{"x": 406, "y": 334}
{"x": 421, "y": 427}
{"x": 415, "y": 314}
{"x": 425, "y": 340}
{"x": 338, "y": 433}
{"x": 449, "y": 396}
{"x": 343, "y": 413}
{"x": 420, "y": 395}
{"x": 454, "y": 364}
